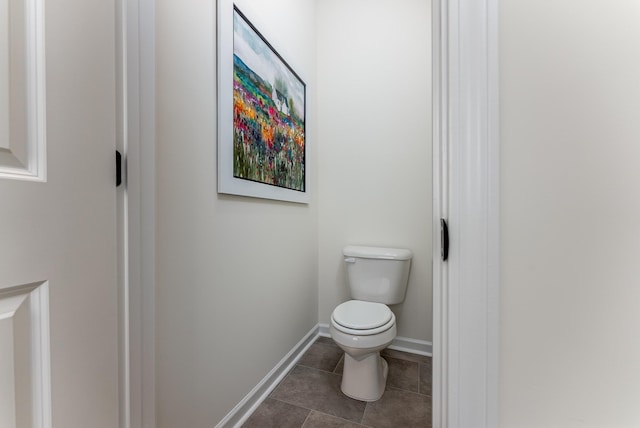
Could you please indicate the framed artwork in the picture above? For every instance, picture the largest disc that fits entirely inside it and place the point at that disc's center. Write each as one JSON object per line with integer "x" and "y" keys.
{"x": 262, "y": 147}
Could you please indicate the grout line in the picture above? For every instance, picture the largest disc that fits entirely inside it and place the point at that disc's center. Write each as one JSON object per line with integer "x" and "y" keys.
{"x": 406, "y": 390}
{"x": 306, "y": 419}
{"x": 365, "y": 412}
{"x": 342, "y": 419}
{"x": 338, "y": 364}
{"x": 294, "y": 405}
{"x": 315, "y": 368}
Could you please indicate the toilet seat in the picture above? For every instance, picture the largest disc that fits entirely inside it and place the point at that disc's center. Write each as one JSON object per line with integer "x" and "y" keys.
{"x": 362, "y": 318}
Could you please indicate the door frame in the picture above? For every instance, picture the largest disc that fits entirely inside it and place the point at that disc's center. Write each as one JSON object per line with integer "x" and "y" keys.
{"x": 466, "y": 165}
{"x": 136, "y": 106}
{"x": 466, "y": 189}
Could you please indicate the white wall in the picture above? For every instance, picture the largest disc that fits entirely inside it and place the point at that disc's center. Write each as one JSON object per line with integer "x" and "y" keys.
{"x": 374, "y": 116}
{"x": 570, "y": 147}
{"x": 237, "y": 277}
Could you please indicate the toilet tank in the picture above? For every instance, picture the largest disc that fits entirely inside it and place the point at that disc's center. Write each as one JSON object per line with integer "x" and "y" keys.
{"x": 377, "y": 274}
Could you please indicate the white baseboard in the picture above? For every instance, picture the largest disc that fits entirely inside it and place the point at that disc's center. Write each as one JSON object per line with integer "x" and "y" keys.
{"x": 259, "y": 393}
{"x": 412, "y": 346}
{"x": 244, "y": 409}
{"x": 405, "y": 344}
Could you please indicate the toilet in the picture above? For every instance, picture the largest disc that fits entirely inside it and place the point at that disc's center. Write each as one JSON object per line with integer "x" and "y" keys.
{"x": 364, "y": 326}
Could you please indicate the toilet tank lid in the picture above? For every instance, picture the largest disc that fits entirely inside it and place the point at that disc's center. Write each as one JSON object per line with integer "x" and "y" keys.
{"x": 377, "y": 252}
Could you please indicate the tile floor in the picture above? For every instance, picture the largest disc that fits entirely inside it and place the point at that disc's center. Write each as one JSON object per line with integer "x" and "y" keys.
{"x": 310, "y": 397}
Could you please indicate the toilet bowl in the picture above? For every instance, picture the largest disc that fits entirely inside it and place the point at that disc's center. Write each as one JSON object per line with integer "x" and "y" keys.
{"x": 362, "y": 329}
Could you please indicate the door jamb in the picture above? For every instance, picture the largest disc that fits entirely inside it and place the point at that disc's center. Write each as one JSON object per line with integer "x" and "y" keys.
{"x": 135, "y": 32}
{"x": 466, "y": 193}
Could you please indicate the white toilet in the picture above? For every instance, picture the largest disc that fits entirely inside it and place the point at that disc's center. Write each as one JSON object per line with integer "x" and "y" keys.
{"x": 363, "y": 327}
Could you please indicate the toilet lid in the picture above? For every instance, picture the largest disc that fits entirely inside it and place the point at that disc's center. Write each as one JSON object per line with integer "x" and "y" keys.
{"x": 359, "y": 315}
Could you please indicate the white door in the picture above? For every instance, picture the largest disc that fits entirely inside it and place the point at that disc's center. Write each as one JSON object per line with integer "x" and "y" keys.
{"x": 58, "y": 279}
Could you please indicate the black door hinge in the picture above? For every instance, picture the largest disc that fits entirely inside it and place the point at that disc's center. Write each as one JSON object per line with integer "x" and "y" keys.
{"x": 118, "y": 169}
{"x": 444, "y": 240}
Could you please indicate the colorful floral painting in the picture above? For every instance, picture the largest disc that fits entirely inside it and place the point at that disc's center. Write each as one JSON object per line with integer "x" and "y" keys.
{"x": 268, "y": 112}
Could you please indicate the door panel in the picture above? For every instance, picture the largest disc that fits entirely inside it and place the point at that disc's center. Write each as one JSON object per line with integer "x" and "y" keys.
{"x": 59, "y": 236}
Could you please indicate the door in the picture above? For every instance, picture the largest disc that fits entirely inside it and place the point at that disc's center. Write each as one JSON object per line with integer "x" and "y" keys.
{"x": 58, "y": 289}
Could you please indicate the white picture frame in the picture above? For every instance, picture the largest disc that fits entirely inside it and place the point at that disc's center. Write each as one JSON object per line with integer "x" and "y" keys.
{"x": 271, "y": 157}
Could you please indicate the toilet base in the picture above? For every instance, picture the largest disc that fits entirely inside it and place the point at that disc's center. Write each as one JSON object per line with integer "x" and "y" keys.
{"x": 364, "y": 379}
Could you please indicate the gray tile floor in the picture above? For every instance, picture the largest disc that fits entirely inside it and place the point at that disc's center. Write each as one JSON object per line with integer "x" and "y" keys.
{"x": 309, "y": 396}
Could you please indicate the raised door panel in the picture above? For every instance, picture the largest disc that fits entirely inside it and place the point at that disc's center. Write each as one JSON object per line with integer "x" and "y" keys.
{"x": 25, "y": 389}
{"x": 22, "y": 90}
